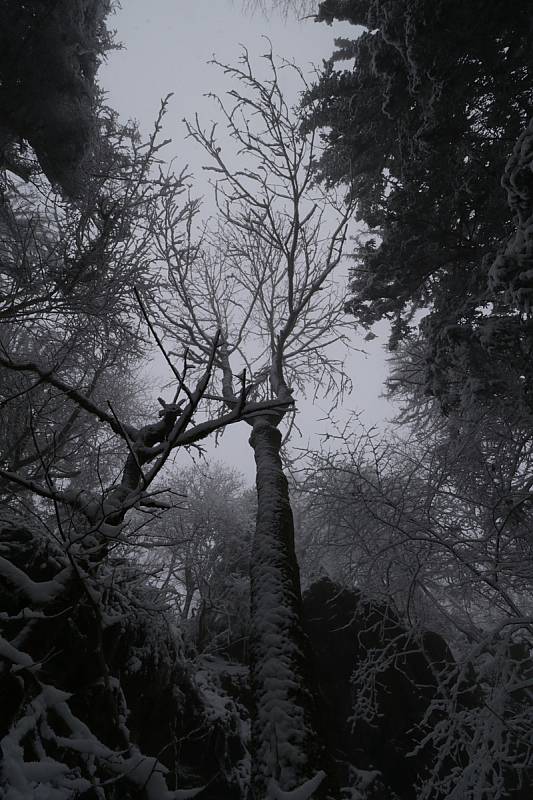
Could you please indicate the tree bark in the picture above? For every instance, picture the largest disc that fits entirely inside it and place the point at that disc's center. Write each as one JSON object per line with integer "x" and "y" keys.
{"x": 287, "y": 750}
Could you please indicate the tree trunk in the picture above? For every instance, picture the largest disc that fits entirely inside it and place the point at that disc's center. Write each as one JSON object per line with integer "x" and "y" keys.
{"x": 287, "y": 750}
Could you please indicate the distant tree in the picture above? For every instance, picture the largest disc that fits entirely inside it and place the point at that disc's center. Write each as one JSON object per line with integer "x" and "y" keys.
{"x": 421, "y": 131}
{"x": 263, "y": 277}
{"x": 285, "y": 7}
{"x": 201, "y": 547}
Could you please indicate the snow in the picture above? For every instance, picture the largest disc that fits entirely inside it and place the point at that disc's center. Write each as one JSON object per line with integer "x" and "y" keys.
{"x": 303, "y": 792}
{"x": 285, "y": 742}
{"x": 48, "y": 779}
{"x": 11, "y": 653}
{"x": 364, "y": 783}
{"x": 39, "y": 592}
{"x": 88, "y": 746}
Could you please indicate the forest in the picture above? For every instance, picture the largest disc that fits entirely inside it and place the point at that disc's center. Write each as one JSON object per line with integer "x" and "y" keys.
{"x": 352, "y": 621}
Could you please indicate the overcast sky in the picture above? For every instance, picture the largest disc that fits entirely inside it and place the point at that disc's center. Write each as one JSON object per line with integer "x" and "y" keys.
{"x": 167, "y": 47}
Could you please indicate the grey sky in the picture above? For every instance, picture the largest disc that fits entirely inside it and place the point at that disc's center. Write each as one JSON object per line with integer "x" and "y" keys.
{"x": 167, "y": 46}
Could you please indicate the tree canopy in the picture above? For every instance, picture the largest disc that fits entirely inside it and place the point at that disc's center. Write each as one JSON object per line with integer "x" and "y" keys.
{"x": 423, "y": 129}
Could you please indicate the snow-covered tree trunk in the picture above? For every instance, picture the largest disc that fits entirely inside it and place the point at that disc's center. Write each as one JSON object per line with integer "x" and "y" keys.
{"x": 287, "y": 750}
{"x": 263, "y": 278}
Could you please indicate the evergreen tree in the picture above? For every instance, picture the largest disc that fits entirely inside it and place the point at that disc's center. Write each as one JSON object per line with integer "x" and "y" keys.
{"x": 421, "y": 130}
{"x": 49, "y": 55}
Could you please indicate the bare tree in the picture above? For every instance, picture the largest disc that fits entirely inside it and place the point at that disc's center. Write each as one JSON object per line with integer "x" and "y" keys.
{"x": 73, "y": 321}
{"x": 200, "y": 552}
{"x": 68, "y": 271}
{"x": 87, "y": 524}
{"x": 299, "y": 8}
{"x": 439, "y": 528}
{"x": 262, "y": 275}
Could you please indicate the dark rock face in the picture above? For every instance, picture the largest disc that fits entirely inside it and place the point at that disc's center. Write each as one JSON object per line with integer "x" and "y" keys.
{"x": 367, "y": 660}
{"x": 344, "y": 630}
